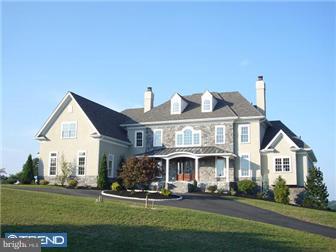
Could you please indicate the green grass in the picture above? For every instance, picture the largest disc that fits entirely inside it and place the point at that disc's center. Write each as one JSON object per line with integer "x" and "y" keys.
{"x": 327, "y": 218}
{"x": 117, "y": 225}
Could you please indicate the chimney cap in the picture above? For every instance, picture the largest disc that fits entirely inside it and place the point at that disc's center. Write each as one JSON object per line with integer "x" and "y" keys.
{"x": 260, "y": 78}
{"x": 149, "y": 89}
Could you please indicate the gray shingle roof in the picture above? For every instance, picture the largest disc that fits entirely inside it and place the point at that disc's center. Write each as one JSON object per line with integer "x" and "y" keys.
{"x": 105, "y": 120}
{"x": 193, "y": 150}
{"x": 274, "y": 128}
{"x": 229, "y": 104}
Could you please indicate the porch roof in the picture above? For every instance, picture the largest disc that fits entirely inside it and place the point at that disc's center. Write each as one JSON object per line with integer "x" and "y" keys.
{"x": 198, "y": 151}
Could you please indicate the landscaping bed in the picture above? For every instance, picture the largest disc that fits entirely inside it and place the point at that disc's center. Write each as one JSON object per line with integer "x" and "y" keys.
{"x": 140, "y": 195}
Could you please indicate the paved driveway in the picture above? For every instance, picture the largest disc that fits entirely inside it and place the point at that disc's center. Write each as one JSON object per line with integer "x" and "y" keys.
{"x": 215, "y": 204}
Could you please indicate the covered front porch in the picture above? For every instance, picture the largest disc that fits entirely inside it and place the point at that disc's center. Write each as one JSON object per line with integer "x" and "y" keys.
{"x": 206, "y": 165}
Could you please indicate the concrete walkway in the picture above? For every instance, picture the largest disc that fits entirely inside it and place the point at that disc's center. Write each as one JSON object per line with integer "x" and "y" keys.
{"x": 214, "y": 204}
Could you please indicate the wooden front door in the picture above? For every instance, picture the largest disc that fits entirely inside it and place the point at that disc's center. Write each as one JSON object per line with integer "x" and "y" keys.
{"x": 185, "y": 170}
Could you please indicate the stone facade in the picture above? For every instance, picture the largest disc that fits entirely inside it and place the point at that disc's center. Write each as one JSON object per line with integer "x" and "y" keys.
{"x": 82, "y": 180}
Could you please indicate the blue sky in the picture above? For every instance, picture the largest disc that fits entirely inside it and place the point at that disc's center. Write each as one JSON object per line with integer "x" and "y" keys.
{"x": 110, "y": 52}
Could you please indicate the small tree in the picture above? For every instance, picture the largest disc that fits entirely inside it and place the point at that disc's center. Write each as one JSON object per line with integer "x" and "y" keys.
{"x": 27, "y": 176}
{"x": 102, "y": 182}
{"x": 316, "y": 195}
{"x": 281, "y": 191}
{"x": 66, "y": 170}
{"x": 138, "y": 172}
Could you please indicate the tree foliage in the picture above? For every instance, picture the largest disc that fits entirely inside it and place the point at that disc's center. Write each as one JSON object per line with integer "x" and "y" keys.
{"x": 138, "y": 172}
{"x": 66, "y": 170}
{"x": 27, "y": 176}
{"x": 316, "y": 195}
{"x": 102, "y": 182}
{"x": 281, "y": 191}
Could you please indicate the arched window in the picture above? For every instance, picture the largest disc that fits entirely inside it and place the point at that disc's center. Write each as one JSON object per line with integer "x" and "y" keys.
{"x": 188, "y": 137}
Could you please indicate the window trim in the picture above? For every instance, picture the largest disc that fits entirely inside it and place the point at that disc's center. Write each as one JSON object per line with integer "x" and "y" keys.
{"x": 248, "y": 130}
{"x": 68, "y": 122}
{"x": 178, "y": 107}
{"x": 224, "y": 132}
{"x": 249, "y": 165}
{"x": 49, "y": 162}
{"x": 224, "y": 169}
{"x": 193, "y": 131}
{"x": 142, "y": 138}
{"x": 108, "y": 160}
{"x": 85, "y": 158}
{"x": 161, "y": 135}
{"x": 282, "y": 158}
{"x": 210, "y": 104}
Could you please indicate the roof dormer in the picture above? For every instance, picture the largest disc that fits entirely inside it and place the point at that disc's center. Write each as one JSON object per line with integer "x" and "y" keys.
{"x": 208, "y": 102}
{"x": 177, "y": 104}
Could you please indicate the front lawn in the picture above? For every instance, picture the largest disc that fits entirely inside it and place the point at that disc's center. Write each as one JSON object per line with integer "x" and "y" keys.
{"x": 116, "y": 225}
{"x": 327, "y": 218}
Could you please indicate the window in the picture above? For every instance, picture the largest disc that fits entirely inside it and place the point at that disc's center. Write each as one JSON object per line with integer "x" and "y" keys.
{"x": 206, "y": 105}
{"x": 81, "y": 163}
{"x": 188, "y": 137}
{"x": 245, "y": 165}
{"x": 220, "y": 134}
{"x": 138, "y": 139}
{"x": 110, "y": 163}
{"x": 52, "y": 163}
{"x": 244, "y": 131}
{"x": 220, "y": 167}
{"x": 157, "y": 137}
{"x": 176, "y": 107}
{"x": 282, "y": 164}
{"x": 69, "y": 130}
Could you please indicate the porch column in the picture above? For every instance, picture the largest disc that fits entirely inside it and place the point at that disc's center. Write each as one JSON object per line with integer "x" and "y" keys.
{"x": 196, "y": 169}
{"x": 167, "y": 172}
{"x": 227, "y": 170}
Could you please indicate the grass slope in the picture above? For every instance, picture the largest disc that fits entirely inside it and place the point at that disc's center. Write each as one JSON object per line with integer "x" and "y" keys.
{"x": 117, "y": 225}
{"x": 327, "y": 218}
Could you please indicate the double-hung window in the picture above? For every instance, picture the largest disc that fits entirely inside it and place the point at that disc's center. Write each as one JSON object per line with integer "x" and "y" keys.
{"x": 282, "y": 164}
{"x": 69, "y": 130}
{"x": 220, "y": 167}
{"x": 138, "y": 139}
{"x": 110, "y": 163}
{"x": 157, "y": 137}
{"x": 245, "y": 165}
{"x": 244, "y": 133}
{"x": 52, "y": 163}
{"x": 220, "y": 134}
{"x": 206, "y": 105}
{"x": 81, "y": 163}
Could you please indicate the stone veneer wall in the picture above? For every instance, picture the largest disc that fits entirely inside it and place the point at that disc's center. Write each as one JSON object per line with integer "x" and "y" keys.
{"x": 82, "y": 180}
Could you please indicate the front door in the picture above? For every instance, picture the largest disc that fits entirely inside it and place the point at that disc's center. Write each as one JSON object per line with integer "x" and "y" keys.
{"x": 185, "y": 168}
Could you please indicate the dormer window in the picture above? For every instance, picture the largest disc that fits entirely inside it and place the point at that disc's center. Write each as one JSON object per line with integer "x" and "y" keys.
{"x": 176, "y": 108}
{"x": 177, "y": 104}
{"x": 208, "y": 102}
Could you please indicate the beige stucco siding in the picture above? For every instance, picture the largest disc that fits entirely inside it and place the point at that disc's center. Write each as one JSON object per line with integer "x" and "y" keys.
{"x": 70, "y": 147}
{"x": 252, "y": 149}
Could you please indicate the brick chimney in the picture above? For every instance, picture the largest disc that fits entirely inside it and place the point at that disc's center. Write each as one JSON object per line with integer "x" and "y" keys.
{"x": 148, "y": 99}
{"x": 261, "y": 94}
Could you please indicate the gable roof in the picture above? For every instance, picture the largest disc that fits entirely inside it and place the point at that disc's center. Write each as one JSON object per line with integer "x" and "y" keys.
{"x": 105, "y": 120}
{"x": 274, "y": 128}
{"x": 229, "y": 104}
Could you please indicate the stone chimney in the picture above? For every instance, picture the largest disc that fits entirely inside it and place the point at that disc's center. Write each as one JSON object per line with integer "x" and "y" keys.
{"x": 261, "y": 94}
{"x": 148, "y": 100}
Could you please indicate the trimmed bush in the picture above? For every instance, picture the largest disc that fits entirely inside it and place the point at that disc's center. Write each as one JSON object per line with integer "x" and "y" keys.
{"x": 247, "y": 187}
{"x": 212, "y": 188}
{"x": 116, "y": 186}
{"x": 72, "y": 183}
{"x": 281, "y": 191}
{"x": 28, "y": 171}
{"x": 44, "y": 182}
{"x": 166, "y": 192}
{"x": 192, "y": 187}
{"x": 102, "y": 182}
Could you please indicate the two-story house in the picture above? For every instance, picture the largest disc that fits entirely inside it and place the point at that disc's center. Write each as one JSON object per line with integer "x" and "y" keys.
{"x": 210, "y": 137}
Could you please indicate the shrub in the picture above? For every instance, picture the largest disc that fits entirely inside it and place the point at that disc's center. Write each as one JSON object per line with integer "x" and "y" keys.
{"x": 247, "y": 187}
{"x": 281, "y": 191}
{"x": 13, "y": 178}
{"x": 115, "y": 186}
{"x": 72, "y": 183}
{"x": 138, "y": 172}
{"x": 192, "y": 187}
{"x": 212, "y": 188}
{"x": 66, "y": 170}
{"x": 221, "y": 190}
{"x": 102, "y": 174}
{"x": 233, "y": 192}
{"x": 166, "y": 192}
{"x": 28, "y": 171}
{"x": 233, "y": 186}
{"x": 267, "y": 195}
{"x": 44, "y": 182}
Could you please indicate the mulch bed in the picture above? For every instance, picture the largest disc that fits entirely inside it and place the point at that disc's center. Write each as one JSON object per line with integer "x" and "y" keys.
{"x": 141, "y": 195}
